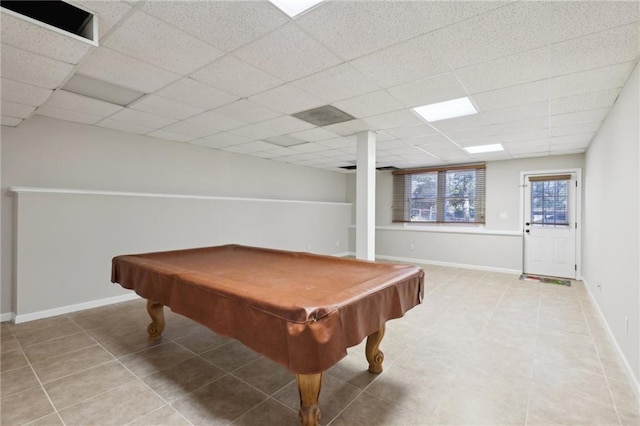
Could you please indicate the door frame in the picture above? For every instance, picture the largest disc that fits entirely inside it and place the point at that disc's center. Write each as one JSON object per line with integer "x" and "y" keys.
{"x": 578, "y": 215}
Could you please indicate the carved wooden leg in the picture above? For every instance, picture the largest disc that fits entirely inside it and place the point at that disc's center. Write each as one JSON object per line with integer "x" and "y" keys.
{"x": 156, "y": 312}
{"x": 374, "y": 354}
{"x": 309, "y": 389}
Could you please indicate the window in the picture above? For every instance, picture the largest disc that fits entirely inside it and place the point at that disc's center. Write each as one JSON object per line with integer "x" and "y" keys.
{"x": 453, "y": 194}
{"x": 549, "y": 199}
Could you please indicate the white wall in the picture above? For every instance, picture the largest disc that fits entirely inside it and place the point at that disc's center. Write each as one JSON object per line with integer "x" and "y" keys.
{"x": 44, "y": 152}
{"x": 611, "y": 223}
{"x": 495, "y": 246}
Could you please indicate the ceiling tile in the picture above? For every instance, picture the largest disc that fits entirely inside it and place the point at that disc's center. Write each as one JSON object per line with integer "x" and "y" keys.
{"x": 164, "y": 134}
{"x": 23, "y": 93}
{"x": 235, "y": 76}
{"x": 518, "y": 27}
{"x": 165, "y": 107}
{"x": 222, "y": 139}
{"x": 521, "y": 126}
{"x": 347, "y": 128}
{"x": 369, "y": 104}
{"x": 590, "y": 81}
{"x": 411, "y": 131}
{"x": 216, "y": 121}
{"x": 65, "y": 114}
{"x": 574, "y": 19}
{"x": 353, "y": 29}
{"x": 285, "y": 140}
{"x": 142, "y": 119}
{"x": 114, "y": 67}
{"x": 594, "y": 100}
{"x": 341, "y": 142}
{"x": 575, "y": 129}
{"x": 526, "y": 136}
{"x": 109, "y": 12}
{"x": 512, "y": 96}
{"x": 337, "y": 83}
{"x": 431, "y": 90}
{"x": 152, "y": 41}
{"x": 394, "y": 119}
{"x": 190, "y": 92}
{"x": 591, "y": 116}
{"x": 73, "y": 102}
{"x": 30, "y": 68}
{"x": 517, "y": 113}
{"x": 191, "y": 130}
{"x": 613, "y": 46}
{"x": 10, "y": 121}
{"x": 12, "y": 109}
{"x": 288, "y": 53}
{"x": 314, "y": 135}
{"x": 534, "y": 146}
{"x": 426, "y": 140}
{"x": 37, "y": 39}
{"x": 458, "y": 123}
{"x": 579, "y": 141}
{"x": 286, "y": 124}
{"x": 255, "y": 131}
{"x": 420, "y": 58}
{"x": 123, "y": 126}
{"x": 287, "y": 99}
{"x": 508, "y": 71}
{"x": 248, "y": 111}
{"x": 224, "y": 24}
{"x": 257, "y": 146}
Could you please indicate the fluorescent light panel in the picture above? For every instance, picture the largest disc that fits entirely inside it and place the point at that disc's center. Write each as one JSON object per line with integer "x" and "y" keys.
{"x": 294, "y": 8}
{"x": 447, "y": 109}
{"x": 102, "y": 90}
{"x": 481, "y": 149}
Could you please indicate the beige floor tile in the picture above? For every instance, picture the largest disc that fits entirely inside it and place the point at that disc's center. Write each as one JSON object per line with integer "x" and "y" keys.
{"x": 410, "y": 390}
{"x": 17, "y": 380}
{"x": 220, "y": 402}
{"x": 628, "y": 418}
{"x": 623, "y": 396}
{"x": 93, "y": 318}
{"x": 178, "y": 326}
{"x": 132, "y": 340}
{"x": 231, "y": 356}
{"x": 202, "y": 341}
{"x": 24, "y": 407}
{"x": 72, "y": 389}
{"x": 180, "y": 379}
{"x": 561, "y": 407}
{"x": 538, "y": 421}
{"x": 57, "y": 327}
{"x": 155, "y": 359}
{"x": 369, "y": 410}
{"x": 164, "y": 416}
{"x": 8, "y": 343}
{"x": 117, "y": 406}
{"x": 12, "y": 360}
{"x": 265, "y": 375}
{"x": 353, "y": 369}
{"x": 63, "y": 365}
{"x": 335, "y": 395}
{"x": 48, "y": 420}
{"x": 269, "y": 412}
{"x": 60, "y": 346}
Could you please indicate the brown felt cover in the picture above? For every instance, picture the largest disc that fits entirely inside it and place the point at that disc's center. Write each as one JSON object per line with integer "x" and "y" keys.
{"x": 298, "y": 309}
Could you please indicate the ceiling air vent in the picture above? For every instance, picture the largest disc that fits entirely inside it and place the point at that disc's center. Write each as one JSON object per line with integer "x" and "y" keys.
{"x": 323, "y": 116}
{"x": 382, "y": 168}
{"x": 58, "y": 16}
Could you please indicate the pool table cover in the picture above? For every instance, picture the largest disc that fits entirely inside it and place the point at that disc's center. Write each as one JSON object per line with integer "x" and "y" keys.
{"x": 299, "y": 309}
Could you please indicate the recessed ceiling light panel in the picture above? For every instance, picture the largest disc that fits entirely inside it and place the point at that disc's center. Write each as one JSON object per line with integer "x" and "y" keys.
{"x": 447, "y": 109}
{"x": 481, "y": 149}
{"x": 102, "y": 90}
{"x": 294, "y": 8}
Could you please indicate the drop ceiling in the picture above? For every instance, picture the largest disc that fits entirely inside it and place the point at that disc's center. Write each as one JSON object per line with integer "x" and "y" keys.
{"x": 230, "y": 75}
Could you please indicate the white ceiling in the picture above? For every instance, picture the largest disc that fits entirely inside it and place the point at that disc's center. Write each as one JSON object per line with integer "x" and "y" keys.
{"x": 228, "y": 75}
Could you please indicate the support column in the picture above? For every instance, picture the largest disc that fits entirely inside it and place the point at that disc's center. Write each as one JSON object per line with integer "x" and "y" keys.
{"x": 365, "y": 195}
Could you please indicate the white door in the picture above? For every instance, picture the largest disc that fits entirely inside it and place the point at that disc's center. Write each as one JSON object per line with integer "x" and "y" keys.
{"x": 550, "y": 225}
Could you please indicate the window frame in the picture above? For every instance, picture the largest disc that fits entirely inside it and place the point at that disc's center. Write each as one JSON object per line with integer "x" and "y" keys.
{"x": 402, "y": 194}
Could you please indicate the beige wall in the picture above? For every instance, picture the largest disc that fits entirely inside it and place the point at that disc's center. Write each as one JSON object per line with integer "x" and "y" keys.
{"x": 611, "y": 222}
{"x": 44, "y": 152}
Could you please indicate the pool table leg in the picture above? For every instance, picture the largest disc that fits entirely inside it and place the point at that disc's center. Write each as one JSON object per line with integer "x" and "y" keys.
{"x": 156, "y": 312}
{"x": 309, "y": 389}
{"x": 373, "y": 352}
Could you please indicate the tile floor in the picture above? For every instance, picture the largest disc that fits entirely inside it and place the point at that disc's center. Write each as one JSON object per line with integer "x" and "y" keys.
{"x": 483, "y": 348}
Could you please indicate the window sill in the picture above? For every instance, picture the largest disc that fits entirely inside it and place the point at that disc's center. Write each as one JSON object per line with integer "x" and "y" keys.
{"x": 447, "y": 229}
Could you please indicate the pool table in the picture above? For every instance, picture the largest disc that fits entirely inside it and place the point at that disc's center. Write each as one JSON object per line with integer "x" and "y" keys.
{"x": 300, "y": 310}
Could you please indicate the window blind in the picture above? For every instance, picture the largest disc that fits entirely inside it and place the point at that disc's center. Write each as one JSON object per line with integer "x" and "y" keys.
{"x": 452, "y": 194}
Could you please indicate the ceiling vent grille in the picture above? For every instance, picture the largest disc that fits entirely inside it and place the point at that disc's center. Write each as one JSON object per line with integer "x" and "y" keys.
{"x": 323, "y": 116}
{"x": 382, "y": 168}
{"x": 58, "y": 16}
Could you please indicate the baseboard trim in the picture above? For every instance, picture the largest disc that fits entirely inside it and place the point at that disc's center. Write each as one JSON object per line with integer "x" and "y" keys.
{"x": 6, "y": 317}
{"x": 74, "y": 308}
{"x": 450, "y": 264}
{"x": 632, "y": 378}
